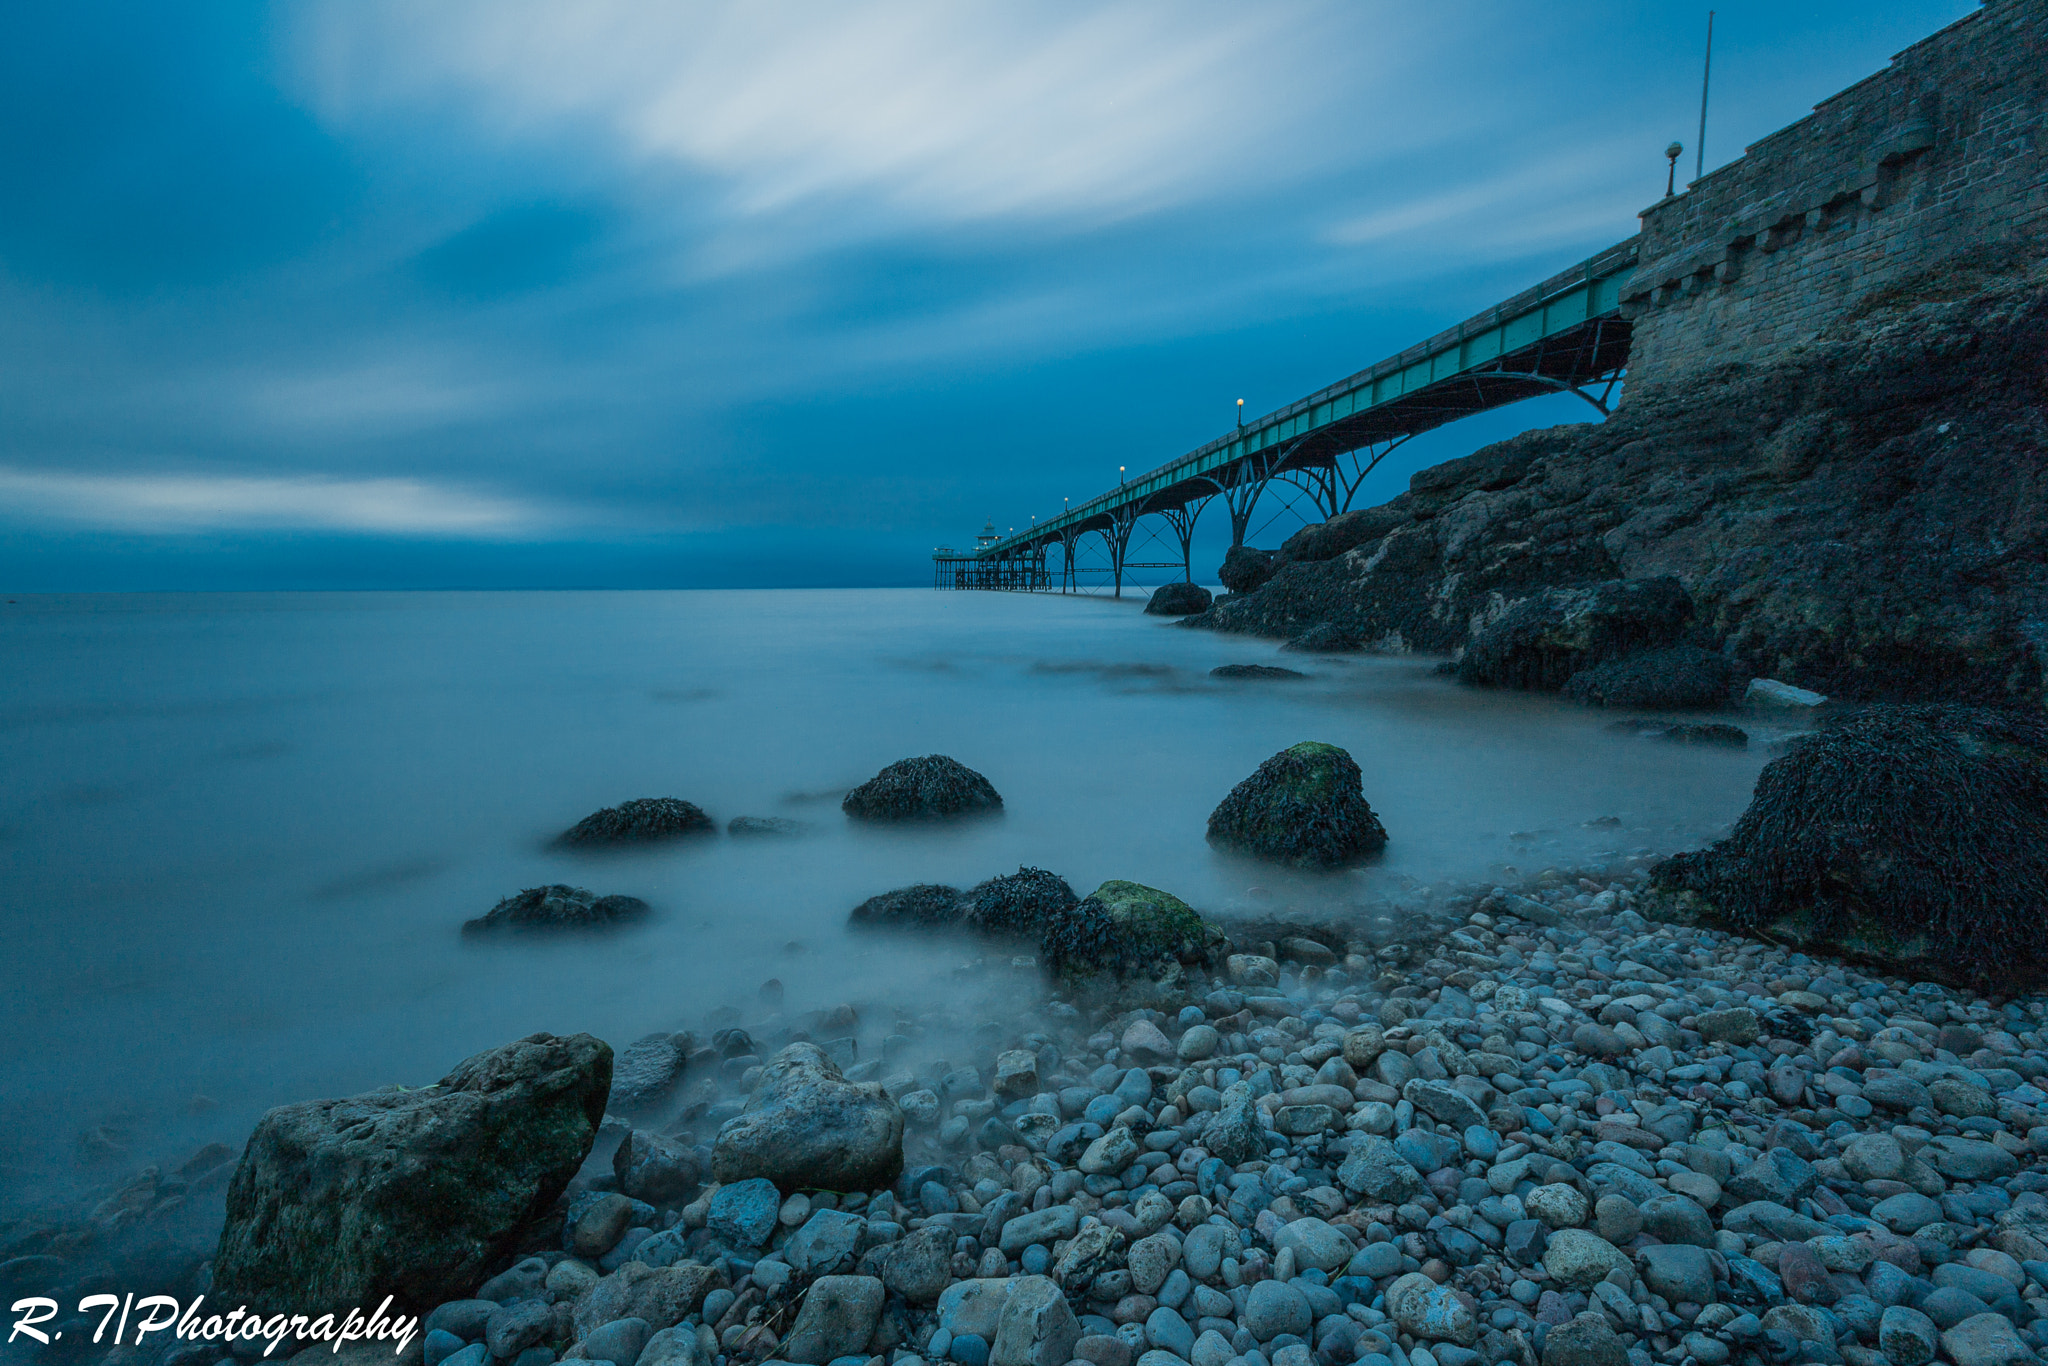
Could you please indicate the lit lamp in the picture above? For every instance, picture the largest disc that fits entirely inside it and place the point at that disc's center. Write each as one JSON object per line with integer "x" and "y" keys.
{"x": 1240, "y": 414}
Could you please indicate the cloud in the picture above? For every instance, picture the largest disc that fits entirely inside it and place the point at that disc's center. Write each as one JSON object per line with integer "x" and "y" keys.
{"x": 204, "y": 502}
{"x": 948, "y": 113}
{"x": 1590, "y": 188}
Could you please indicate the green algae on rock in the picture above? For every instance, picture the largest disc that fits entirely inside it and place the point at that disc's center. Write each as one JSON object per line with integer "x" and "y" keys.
{"x": 1305, "y": 806}
{"x": 413, "y": 1194}
{"x": 1123, "y": 928}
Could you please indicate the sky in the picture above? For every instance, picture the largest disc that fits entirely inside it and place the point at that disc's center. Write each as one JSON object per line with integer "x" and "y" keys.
{"x": 503, "y": 293}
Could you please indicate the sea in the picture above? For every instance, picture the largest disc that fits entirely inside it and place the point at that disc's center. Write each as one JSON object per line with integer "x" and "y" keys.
{"x": 240, "y": 832}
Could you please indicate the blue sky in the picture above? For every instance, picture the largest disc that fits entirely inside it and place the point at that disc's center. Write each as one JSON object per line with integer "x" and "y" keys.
{"x": 498, "y": 293}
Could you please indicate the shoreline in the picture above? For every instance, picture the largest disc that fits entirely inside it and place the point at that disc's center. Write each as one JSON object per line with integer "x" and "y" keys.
{"x": 1621, "y": 1052}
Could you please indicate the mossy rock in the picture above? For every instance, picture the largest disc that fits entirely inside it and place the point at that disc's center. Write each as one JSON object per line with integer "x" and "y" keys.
{"x": 1124, "y": 929}
{"x": 1913, "y": 839}
{"x": 642, "y": 821}
{"x": 1304, "y": 806}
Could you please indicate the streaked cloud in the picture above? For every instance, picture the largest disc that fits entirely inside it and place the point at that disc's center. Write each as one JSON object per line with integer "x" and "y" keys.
{"x": 944, "y": 112}
{"x": 202, "y": 502}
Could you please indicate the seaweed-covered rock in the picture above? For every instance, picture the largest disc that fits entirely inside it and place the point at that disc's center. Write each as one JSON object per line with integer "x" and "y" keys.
{"x": 930, "y": 788}
{"x": 1123, "y": 928}
{"x": 1019, "y": 903}
{"x": 1244, "y": 568}
{"x": 1254, "y": 671}
{"x": 1325, "y": 639}
{"x": 642, "y": 821}
{"x": 808, "y": 1128}
{"x": 1543, "y": 640}
{"x": 920, "y": 905}
{"x": 1911, "y": 837}
{"x": 410, "y": 1193}
{"x": 1678, "y": 678}
{"x": 1305, "y": 806}
{"x": 1178, "y": 600}
{"x": 556, "y": 907}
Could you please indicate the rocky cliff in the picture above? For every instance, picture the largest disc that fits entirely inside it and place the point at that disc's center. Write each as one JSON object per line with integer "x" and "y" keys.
{"x": 1867, "y": 517}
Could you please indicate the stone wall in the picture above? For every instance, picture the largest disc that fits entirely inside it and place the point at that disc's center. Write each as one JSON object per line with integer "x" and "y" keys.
{"x": 1944, "y": 151}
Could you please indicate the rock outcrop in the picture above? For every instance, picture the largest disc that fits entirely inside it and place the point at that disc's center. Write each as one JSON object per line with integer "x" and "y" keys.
{"x": 1911, "y": 837}
{"x": 556, "y": 907}
{"x": 1305, "y": 806}
{"x": 1825, "y": 515}
{"x": 807, "y": 1127}
{"x": 410, "y": 1193}
{"x": 931, "y": 788}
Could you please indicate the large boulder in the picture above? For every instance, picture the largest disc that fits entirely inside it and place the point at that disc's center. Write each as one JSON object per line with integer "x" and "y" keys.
{"x": 643, "y": 821}
{"x": 556, "y": 907}
{"x": 1305, "y": 806}
{"x": 931, "y": 788}
{"x": 922, "y": 905}
{"x": 1677, "y": 678}
{"x": 1245, "y": 569}
{"x": 1540, "y": 642}
{"x": 1178, "y": 600}
{"x": 414, "y": 1193}
{"x": 1124, "y": 929}
{"x": 808, "y": 1128}
{"x": 1914, "y": 838}
{"x": 1019, "y": 903}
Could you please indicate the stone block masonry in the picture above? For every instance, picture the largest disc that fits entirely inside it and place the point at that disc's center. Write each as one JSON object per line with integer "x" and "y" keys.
{"x": 1943, "y": 152}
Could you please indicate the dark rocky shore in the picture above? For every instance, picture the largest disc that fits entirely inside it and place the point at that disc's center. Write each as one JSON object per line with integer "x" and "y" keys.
{"x": 1865, "y": 518}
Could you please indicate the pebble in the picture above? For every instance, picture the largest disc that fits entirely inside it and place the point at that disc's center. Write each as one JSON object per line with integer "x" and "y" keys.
{"x": 1542, "y": 1129}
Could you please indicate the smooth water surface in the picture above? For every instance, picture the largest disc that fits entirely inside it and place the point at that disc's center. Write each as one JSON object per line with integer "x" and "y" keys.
{"x": 240, "y": 832}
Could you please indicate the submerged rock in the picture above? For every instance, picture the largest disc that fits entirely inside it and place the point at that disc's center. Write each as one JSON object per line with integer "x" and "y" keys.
{"x": 1254, "y": 671}
{"x": 1305, "y": 806}
{"x": 556, "y": 907}
{"x": 1685, "y": 733}
{"x": 930, "y": 788}
{"x": 1545, "y": 639}
{"x": 770, "y": 827}
{"x": 923, "y": 904}
{"x": 808, "y": 1128}
{"x": 410, "y": 1193}
{"x": 1912, "y": 837}
{"x": 1178, "y": 600}
{"x": 1019, "y": 903}
{"x": 1679, "y": 678}
{"x": 638, "y": 822}
{"x": 1123, "y": 928}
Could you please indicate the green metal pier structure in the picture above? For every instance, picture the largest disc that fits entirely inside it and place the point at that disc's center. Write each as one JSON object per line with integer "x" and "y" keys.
{"x": 1565, "y": 335}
